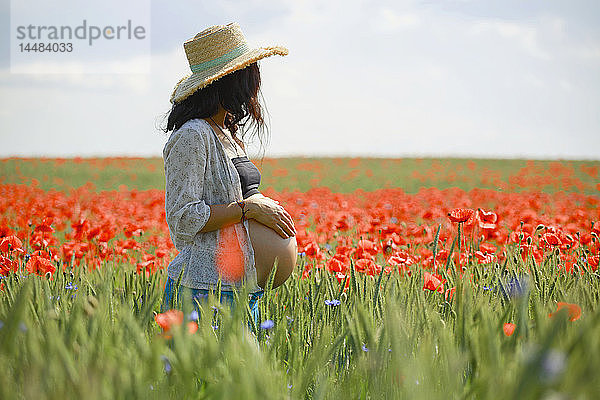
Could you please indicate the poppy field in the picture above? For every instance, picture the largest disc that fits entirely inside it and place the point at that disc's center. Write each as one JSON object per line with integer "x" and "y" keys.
{"x": 416, "y": 278}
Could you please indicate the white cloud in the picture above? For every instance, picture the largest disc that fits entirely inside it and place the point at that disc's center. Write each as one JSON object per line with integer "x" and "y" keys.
{"x": 391, "y": 21}
{"x": 524, "y": 34}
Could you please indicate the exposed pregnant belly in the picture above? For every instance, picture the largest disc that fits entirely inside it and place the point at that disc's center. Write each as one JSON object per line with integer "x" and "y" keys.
{"x": 267, "y": 246}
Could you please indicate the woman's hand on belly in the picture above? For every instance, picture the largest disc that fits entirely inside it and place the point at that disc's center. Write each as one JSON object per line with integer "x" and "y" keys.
{"x": 269, "y": 213}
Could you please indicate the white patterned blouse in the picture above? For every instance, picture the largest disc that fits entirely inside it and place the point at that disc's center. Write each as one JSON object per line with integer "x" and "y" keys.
{"x": 198, "y": 172}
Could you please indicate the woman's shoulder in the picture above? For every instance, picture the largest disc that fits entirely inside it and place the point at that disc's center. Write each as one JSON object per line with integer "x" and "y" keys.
{"x": 194, "y": 126}
{"x": 194, "y": 131}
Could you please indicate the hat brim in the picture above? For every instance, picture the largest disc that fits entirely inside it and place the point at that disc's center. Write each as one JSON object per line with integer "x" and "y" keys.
{"x": 191, "y": 83}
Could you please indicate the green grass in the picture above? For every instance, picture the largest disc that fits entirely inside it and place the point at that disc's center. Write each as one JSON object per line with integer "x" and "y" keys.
{"x": 387, "y": 339}
{"x": 339, "y": 174}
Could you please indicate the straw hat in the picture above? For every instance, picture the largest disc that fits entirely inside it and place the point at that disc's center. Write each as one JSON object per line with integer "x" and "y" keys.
{"x": 215, "y": 52}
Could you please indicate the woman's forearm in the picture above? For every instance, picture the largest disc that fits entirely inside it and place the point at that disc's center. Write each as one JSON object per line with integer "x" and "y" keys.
{"x": 222, "y": 215}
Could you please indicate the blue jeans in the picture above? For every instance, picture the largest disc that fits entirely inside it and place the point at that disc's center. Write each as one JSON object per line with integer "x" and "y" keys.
{"x": 199, "y": 295}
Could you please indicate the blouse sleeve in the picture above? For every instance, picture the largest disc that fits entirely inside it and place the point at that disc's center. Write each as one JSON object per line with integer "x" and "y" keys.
{"x": 186, "y": 211}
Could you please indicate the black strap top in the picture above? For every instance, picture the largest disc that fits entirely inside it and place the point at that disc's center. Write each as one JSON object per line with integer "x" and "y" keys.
{"x": 249, "y": 175}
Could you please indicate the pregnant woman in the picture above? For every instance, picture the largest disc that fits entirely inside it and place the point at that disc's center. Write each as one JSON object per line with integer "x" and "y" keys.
{"x": 224, "y": 228}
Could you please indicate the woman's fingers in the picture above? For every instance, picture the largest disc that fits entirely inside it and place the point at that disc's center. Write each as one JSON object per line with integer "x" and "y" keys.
{"x": 290, "y": 225}
{"x": 289, "y": 218}
{"x": 287, "y": 226}
{"x": 280, "y": 231}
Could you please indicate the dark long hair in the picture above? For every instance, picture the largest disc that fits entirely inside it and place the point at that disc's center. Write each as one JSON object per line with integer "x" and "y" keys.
{"x": 238, "y": 93}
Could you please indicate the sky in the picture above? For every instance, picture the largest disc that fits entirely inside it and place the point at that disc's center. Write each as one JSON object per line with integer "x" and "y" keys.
{"x": 500, "y": 79}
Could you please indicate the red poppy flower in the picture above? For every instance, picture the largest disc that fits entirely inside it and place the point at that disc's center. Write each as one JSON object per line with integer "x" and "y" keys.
{"x": 45, "y": 226}
{"x": 551, "y": 239}
{"x": 40, "y": 266}
{"x": 509, "y": 329}
{"x": 488, "y": 217}
{"x": 11, "y": 243}
{"x": 484, "y": 258}
{"x": 7, "y": 265}
{"x": 488, "y": 248}
{"x": 229, "y": 256}
{"x": 168, "y": 319}
{"x": 338, "y": 263}
{"x": 449, "y": 293}
{"x": 594, "y": 261}
{"x": 367, "y": 266}
{"x": 192, "y": 327}
{"x": 132, "y": 230}
{"x": 312, "y": 249}
{"x": 433, "y": 282}
{"x": 574, "y": 310}
{"x": 461, "y": 215}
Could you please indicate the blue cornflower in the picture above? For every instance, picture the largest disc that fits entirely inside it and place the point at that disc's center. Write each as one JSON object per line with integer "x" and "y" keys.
{"x": 365, "y": 348}
{"x": 1, "y": 324}
{"x": 333, "y": 303}
{"x": 215, "y": 327}
{"x": 167, "y": 363}
{"x": 193, "y": 316}
{"x": 70, "y": 286}
{"x": 23, "y": 327}
{"x": 268, "y": 324}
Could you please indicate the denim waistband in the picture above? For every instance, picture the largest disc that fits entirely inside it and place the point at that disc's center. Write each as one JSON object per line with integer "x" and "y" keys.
{"x": 201, "y": 294}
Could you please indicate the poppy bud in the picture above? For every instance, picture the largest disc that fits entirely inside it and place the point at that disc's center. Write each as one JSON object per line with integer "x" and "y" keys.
{"x": 88, "y": 309}
{"x": 92, "y": 301}
{"x": 529, "y": 240}
{"x": 48, "y": 275}
{"x": 539, "y": 227}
